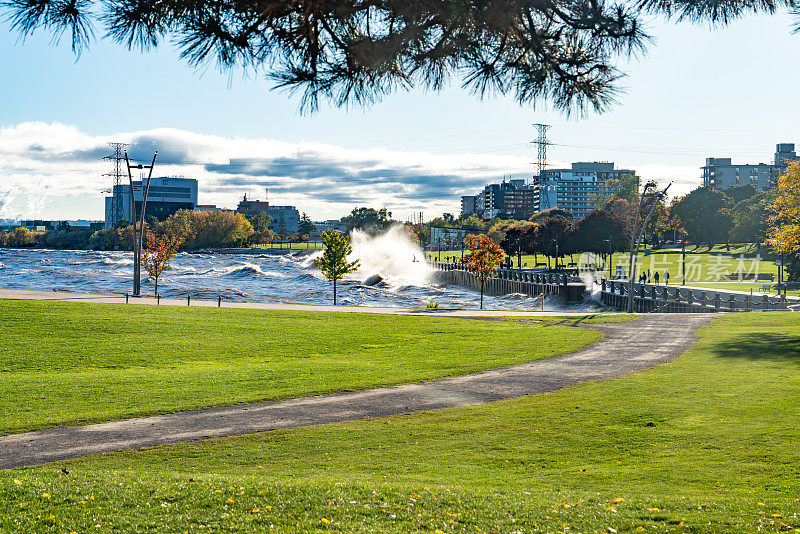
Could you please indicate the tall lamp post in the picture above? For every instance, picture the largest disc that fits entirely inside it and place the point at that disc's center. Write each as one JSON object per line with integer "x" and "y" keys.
{"x": 638, "y": 232}
{"x": 556, "y": 242}
{"x": 683, "y": 261}
{"x": 138, "y": 233}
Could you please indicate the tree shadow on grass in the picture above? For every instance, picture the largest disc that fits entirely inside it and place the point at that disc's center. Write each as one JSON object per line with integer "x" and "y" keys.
{"x": 766, "y": 346}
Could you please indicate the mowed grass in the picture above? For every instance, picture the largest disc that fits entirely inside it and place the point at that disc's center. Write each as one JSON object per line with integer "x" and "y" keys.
{"x": 67, "y": 363}
{"x": 707, "y": 443}
{"x": 704, "y": 268}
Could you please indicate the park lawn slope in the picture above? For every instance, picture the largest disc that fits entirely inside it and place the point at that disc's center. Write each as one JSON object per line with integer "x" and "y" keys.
{"x": 68, "y": 363}
{"x": 707, "y": 443}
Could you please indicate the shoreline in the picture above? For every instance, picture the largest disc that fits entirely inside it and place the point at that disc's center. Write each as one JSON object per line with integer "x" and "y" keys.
{"x": 62, "y": 296}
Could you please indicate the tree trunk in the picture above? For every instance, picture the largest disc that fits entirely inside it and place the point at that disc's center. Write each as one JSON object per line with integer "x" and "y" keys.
{"x": 482, "y": 294}
{"x": 334, "y": 292}
{"x": 156, "y": 286}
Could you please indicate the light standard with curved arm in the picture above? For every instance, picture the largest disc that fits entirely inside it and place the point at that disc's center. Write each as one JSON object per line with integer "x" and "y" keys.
{"x": 638, "y": 233}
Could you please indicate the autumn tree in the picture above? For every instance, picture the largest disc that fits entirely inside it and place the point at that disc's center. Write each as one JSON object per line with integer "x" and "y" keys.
{"x": 483, "y": 259}
{"x": 333, "y": 263}
{"x": 21, "y": 237}
{"x": 157, "y": 254}
{"x": 784, "y": 232}
{"x": 553, "y": 237}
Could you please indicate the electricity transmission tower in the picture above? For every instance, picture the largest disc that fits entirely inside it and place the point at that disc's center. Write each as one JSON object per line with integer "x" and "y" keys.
{"x": 541, "y": 164}
{"x": 116, "y": 192}
{"x": 541, "y": 142}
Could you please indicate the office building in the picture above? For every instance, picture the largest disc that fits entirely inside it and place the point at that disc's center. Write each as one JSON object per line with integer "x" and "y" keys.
{"x": 573, "y": 189}
{"x": 165, "y": 197}
{"x": 285, "y": 219}
{"x": 721, "y": 173}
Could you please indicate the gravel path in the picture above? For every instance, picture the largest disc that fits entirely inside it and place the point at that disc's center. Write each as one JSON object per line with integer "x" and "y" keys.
{"x": 626, "y": 348}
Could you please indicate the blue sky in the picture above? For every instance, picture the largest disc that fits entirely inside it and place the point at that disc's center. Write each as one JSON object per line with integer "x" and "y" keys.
{"x": 697, "y": 93}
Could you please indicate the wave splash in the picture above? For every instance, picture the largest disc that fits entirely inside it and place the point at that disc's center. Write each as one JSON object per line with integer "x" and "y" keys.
{"x": 391, "y": 255}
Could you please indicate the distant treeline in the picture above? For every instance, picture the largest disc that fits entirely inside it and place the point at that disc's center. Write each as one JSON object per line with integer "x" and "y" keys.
{"x": 195, "y": 230}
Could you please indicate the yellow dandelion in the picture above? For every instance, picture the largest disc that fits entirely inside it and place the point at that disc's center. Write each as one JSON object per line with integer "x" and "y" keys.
{"x": 18, "y": 482}
{"x": 230, "y": 501}
{"x": 617, "y": 500}
{"x": 325, "y": 521}
{"x": 653, "y": 509}
{"x": 46, "y": 495}
{"x": 255, "y": 511}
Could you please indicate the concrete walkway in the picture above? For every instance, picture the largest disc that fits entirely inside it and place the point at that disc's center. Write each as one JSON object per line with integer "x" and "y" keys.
{"x": 26, "y": 294}
{"x": 626, "y": 348}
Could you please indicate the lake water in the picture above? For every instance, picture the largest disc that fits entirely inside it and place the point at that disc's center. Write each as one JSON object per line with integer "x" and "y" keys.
{"x": 286, "y": 278}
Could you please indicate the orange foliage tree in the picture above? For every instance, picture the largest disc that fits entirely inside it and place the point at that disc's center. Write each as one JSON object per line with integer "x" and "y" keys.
{"x": 784, "y": 233}
{"x": 158, "y": 252}
{"x": 483, "y": 259}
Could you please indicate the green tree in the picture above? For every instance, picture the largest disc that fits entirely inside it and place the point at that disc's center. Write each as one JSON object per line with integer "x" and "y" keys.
{"x": 483, "y": 259}
{"x": 704, "y": 215}
{"x": 306, "y": 226}
{"x": 751, "y": 218}
{"x": 261, "y": 232}
{"x": 552, "y": 212}
{"x": 368, "y": 220}
{"x": 738, "y": 193}
{"x": 626, "y": 187}
{"x": 333, "y": 262}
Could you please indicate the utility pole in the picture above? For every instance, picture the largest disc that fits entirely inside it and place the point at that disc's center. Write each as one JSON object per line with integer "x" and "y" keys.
{"x": 116, "y": 174}
{"x": 138, "y": 233}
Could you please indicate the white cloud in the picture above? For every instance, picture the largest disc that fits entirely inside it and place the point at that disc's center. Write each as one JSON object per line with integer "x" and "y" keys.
{"x": 56, "y": 171}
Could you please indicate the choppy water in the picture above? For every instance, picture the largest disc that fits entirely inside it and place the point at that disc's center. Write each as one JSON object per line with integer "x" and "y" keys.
{"x": 288, "y": 278}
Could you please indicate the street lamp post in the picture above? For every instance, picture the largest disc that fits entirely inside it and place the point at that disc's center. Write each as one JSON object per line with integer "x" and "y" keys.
{"x": 638, "y": 232}
{"x": 138, "y": 233}
{"x": 556, "y": 242}
{"x": 683, "y": 262}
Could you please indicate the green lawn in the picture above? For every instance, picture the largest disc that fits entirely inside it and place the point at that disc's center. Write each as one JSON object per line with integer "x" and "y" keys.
{"x": 703, "y": 268}
{"x": 707, "y": 443}
{"x": 64, "y": 363}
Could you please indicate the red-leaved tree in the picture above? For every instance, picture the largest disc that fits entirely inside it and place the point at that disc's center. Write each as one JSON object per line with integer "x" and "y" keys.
{"x": 483, "y": 259}
{"x": 158, "y": 252}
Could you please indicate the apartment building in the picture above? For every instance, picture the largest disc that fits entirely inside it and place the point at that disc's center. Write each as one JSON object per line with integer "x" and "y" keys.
{"x": 573, "y": 189}
{"x": 721, "y": 173}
